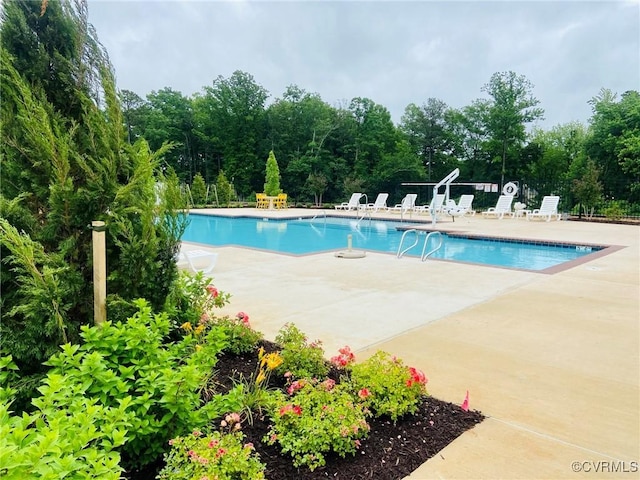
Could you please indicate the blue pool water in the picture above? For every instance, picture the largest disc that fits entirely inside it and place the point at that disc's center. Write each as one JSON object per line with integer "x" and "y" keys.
{"x": 305, "y": 236}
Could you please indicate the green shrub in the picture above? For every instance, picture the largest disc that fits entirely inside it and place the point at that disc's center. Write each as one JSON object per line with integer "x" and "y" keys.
{"x": 300, "y": 359}
{"x": 615, "y": 209}
{"x": 240, "y": 337}
{"x": 317, "y": 419}
{"x": 224, "y": 189}
{"x": 221, "y": 456}
{"x": 193, "y": 298}
{"x": 386, "y": 386}
{"x": 128, "y": 364}
{"x": 67, "y": 436}
{"x": 198, "y": 190}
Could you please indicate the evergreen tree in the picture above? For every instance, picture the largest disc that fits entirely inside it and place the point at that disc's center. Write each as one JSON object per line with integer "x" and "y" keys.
{"x": 65, "y": 163}
{"x": 199, "y": 190}
{"x": 225, "y": 192}
{"x": 272, "y": 178}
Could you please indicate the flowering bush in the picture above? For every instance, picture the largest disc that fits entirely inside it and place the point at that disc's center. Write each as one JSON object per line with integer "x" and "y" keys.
{"x": 316, "y": 419}
{"x": 193, "y": 299}
{"x": 241, "y": 338}
{"x": 300, "y": 359}
{"x": 344, "y": 359}
{"x": 386, "y": 386}
{"x": 220, "y": 456}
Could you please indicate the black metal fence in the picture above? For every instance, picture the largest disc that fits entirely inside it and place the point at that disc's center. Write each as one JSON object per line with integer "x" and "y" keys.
{"x": 619, "y": 201}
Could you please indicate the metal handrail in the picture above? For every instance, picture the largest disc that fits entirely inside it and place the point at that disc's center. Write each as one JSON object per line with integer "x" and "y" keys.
{"x": 400, "y": 254}
{"x": 365, "y": 213}
{"x": 324, "y": 214}
{"x": 424, "y": 256}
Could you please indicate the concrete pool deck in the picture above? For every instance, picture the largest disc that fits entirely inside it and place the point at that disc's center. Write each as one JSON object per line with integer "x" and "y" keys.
{"x": 552, "y": 360}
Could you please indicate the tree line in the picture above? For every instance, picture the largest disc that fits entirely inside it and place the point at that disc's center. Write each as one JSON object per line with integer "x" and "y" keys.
{"x": 327, "y": 152}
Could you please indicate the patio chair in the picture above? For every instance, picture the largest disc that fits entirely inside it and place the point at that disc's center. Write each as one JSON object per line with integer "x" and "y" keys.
{"x": 379, "y": 204}
{"x": 200, "y": 260}
{"x": 502, "y": 208}
{"x": 435, "y": 207}
{"x": 281, "y": 201}
{"x": 408, "y": 204}
{"x": 352, "y": 204}
{"x": 548, "y": 208}
{"x": 261, "y": 200}
{"x": 462, "y": 208}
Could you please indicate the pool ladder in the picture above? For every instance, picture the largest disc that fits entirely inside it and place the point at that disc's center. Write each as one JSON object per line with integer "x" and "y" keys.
{"x": 323, "y": 213}
{"x": 425, "y": 254}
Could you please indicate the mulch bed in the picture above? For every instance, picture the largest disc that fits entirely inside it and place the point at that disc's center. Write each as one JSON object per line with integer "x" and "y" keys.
{"x": 391, "y": 451}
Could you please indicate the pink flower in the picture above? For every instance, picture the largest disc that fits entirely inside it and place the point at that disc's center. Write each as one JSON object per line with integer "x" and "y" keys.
{"x": 284, "y": 410}
{"x": 345, "y": 358}
{"x": 417, "y": 376}
{"x": 212, "y": 290}
{"x": 290, "y": 408}
{"x": 204, "y": 318}
{"x": 465, "y": 403}
{"x": 172, "y": 441}
{"x": 249, "y": 445}
{"x": 288, "y": 374}
{"x": 364, "y": 393}
{"x": 197, "y": 433}
{"x": 328, "y": 384}
{"x": 213, "y": 444}
{"x": 244, "y": 317}
{"x": 191, "y": 453}
{"x": 295, "y": 386}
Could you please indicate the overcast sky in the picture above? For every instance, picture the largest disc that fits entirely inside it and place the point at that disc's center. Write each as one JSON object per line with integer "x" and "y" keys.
{"x": 392, "y": 52}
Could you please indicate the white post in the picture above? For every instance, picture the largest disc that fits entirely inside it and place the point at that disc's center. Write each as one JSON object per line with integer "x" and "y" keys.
{"x": 349, "y": 241}
{"x": 99, "y": 272}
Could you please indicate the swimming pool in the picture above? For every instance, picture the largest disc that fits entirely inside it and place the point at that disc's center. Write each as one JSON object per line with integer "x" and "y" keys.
{"x": 307, "y": 236}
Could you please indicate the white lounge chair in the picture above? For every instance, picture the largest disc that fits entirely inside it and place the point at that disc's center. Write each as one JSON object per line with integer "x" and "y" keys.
{"x": 548, "y": 208}
{"x": 352, "y": 204}
{"x": 199, "y": 260}
{"x": 435, "y": 207}
{"x": 408, "y": 204}
{"x": 462, "y": 208}
{"x": 379, "y": 204}
{"x": 502, "y": 208}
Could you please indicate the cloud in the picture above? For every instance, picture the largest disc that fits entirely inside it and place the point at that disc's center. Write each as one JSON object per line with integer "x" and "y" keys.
{"x": 393, "y": 52}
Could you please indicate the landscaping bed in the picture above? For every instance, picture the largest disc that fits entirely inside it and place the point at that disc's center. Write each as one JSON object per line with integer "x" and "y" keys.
{"x": 391, "y": 451}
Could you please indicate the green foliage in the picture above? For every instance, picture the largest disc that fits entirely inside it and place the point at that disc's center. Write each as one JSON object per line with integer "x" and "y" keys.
{"x": 193, "y": 300}
{"x": 224, "y": 188}
{"x": 240, "y": 337}
{"x": 300, "y": 359}
{"x": 587, "y": 189}
{"x": 198, "y": 190}
{"x": 272, "y": 176}
{"x": 75, "y": 440}
{"x": 65, "y": 164}
{"x": 387, "y": 387}
{"x": 318, "y": 419}
{"x": 255, "y": 389}
{"x": 8, "y": 375}
{"x": 127, "y": 365}
{"x": 216, "y": 455}
{"x": 35, "y": 312}
{"x": 615, "y": 209}
{"x": 512, "y": 105}
{"x": 614, "y": 143}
